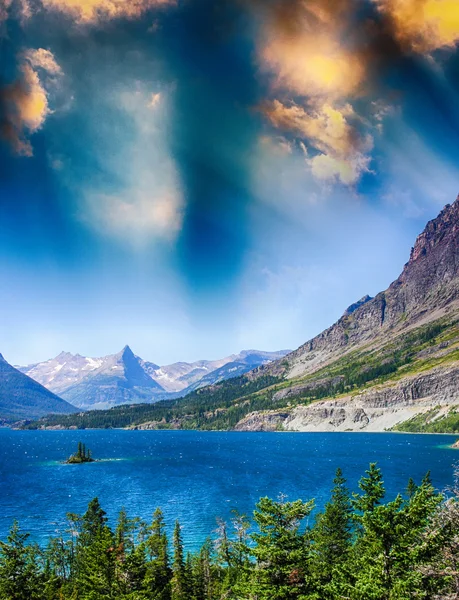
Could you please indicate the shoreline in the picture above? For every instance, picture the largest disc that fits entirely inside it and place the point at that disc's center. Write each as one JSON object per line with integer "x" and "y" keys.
{"x": 52, "y": 429}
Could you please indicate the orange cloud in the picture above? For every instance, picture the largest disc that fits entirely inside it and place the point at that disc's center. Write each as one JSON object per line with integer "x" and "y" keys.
{"x": 87, "y": 11}
{"x": 342, "y": 151}
{"x": 301, "y": 44}
{"x": 423, "y": 25}
{"x": 26, "y": 100}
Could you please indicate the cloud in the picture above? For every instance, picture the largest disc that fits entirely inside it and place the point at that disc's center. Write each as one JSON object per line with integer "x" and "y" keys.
{"x": 141, "y": 216}
{"x": 343, "y": 151}
{"x": 328, "y": 167}
{"x": 155, "y": 99}
{"x": 26, "y": 100}
{"x": 90, "y": 11}
{"x": 4, "y": 10}
{"x": 19, "y": 9}
{"x": 423, "y": 25}
{"x": 300, "y": 44}
{"x": 146, "y": 203}
{"x": 44, "y": 59}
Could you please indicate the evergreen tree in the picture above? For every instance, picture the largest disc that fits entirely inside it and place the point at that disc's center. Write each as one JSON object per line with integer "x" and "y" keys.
{"x": 93, "y": 521}
{"x": 159, "y": 573}
{"x": 19, "y": 571}
{"x": 390, "y": 548}
{"x": 281, "y": 551}
{"x": 411, "y": 488}
{"x": 179, "y": 583}
{"x": 373, "y": 490}
{"x": 332, "y": 533}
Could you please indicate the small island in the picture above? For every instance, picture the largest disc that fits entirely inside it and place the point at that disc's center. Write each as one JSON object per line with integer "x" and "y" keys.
{"x": 81, "y": 456}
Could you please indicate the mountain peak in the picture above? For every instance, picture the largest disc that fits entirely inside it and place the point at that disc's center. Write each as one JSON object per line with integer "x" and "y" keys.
{"x": 126, "y": 353}
{"x": 442, "y": 229}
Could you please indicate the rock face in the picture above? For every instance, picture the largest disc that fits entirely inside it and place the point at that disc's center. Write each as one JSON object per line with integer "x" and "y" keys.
{"x": 23, "y": 398}
{"x": 427, "y": 286}
{"x": 376, "y": 409}
{"x": 426, "y": 290}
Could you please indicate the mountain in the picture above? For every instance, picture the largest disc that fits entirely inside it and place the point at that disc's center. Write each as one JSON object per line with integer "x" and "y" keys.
{"x": 390, "y": 362}
{"x": 23, "y": 398}
{"x": 125, "y": 378}
{"x": 120, "y": 379}
{"x": 185, "y": 377}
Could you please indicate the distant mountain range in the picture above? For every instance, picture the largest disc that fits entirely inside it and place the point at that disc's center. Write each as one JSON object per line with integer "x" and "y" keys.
{"x": 124, "y": 378}
{"x": 23, "y": 398}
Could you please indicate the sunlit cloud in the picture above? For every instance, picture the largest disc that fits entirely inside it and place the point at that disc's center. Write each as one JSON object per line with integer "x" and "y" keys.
{"x": 423, "y": 25}
{"x": 26, "y": 100}
{"x": 342, "y": 150}
{"x": 89, "y": 11}
{"x": 300, "y": 44}
{"x": 331, "y": 168}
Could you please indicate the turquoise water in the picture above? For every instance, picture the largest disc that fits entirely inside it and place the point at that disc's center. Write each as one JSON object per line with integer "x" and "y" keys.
{"x": 196, "y": 476}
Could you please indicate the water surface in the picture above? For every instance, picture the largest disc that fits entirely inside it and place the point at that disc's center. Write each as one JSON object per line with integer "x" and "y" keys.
{"x": 196, "y": 476}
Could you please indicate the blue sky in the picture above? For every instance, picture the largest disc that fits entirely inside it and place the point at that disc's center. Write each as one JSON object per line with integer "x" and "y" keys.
{"x": 195, "y": 177}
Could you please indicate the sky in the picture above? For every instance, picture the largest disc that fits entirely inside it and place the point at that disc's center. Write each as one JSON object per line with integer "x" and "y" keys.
{"x": 198, "y": 177}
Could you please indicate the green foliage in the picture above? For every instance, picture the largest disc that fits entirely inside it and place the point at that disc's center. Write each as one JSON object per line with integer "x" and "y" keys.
{"x": 19, "y": 568}
{"x": 80, "y": 456}
{"x": 359, "y": 548}
{"x": 213, "y": 407}
{"x": 332, "y": 534}
{"x": 430, "y": 422}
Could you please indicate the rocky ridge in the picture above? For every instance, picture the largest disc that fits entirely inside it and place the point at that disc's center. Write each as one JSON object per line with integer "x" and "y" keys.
{"x": 427, "y": 291}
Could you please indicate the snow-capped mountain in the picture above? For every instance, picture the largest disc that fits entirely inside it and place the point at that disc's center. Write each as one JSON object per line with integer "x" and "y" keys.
{"x": 125, "y": 378}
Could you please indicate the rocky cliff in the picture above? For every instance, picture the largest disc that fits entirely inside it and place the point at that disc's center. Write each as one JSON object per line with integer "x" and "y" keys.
{"x": 376, "y": 409}
{"x": 427, "y": 288}
{"x": 427, "y": 291}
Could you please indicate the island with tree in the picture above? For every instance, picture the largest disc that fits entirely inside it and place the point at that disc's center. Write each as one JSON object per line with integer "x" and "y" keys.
{"x": 81, "y": 456}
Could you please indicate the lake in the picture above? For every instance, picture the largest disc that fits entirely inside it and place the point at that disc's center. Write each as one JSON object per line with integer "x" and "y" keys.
{"x": 196, "y": 476}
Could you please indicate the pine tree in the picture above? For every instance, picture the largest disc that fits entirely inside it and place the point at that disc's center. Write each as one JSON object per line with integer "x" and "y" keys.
{"x": 179, "y": 583}
{"x": 19, "y": 572}
{"x": 332, "y": 533}
{"x": 93, "y": 521}
{"x": 373, "y": 490}
{"x": 158, "y": 577}
{"x": 280, "y": 550}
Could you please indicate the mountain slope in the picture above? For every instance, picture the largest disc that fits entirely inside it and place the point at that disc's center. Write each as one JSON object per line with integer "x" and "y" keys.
{"x": 386, "y": 360}
{"x": 23, "y": 398}
{"x": 125, "y": 378}
{"x": 120, "y": 379}
{"x": 427, "y": 288}
{"x": 185, "y": 377}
